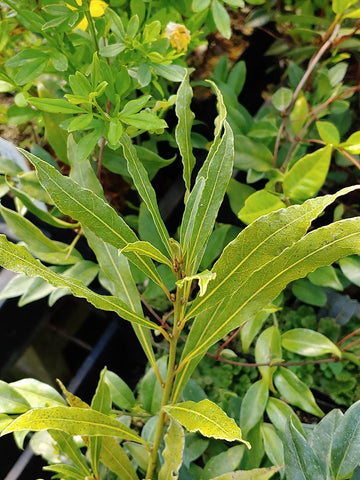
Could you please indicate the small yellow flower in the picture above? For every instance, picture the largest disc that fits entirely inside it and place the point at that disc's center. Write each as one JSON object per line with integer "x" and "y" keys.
{"x": 178, "y": 35}
{"x": 97, "y": 8}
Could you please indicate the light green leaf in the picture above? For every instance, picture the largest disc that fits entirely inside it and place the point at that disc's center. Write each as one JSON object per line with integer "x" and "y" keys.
{"x": 204, "y": 201}
{"x": 74, "y": 421}
{"x": 308, "y": 175}
{"x": 65, "y": 471}
{"x": 38, "y": 243}
{"x": 150, "y": 389}
{"x": 259, "y": 203}
{"x": 199, "y": 5}
{"x": 282, "y": 98}
{"x": 69, "y": 447}
{"x": 345, "y": 447}
{"x": 203, "y": 278}
{"x": 221, "y": 18}
{"x": 326, "y": 277}
{"x": 11, "y": 401}
{"x": 144, "y": 121}
{"x": 328, "y": 133}
{"x": 17, "y": 258}
{"x": 279, "y": 412}
{"x": 308, "y": 343}
{"x": 268, "y": 349}
{"x": 80, "y": 122}
{"x": 301, "y": 463}
{"x": 173, "y": 452}
{"x": 295, "y": 391}
{"x": 116, "y": 268}
{"x": 266, "y": 267}
{"x": 252, "y": 154}
{"x": 207, "y": 418}
{"x": 254, "y": 474}
{"x": 121, "y": 394}
{"x": 54, "y": 105}
{"x": 238, "y": 193}
{"x": 148, "y": 250}
{"x": 350, "y": 267}
{"x": 299, "y": 113}
{"x": 253, "y": 405}
{"x": 272, "y": 444}
{"x": 145, "y": 189}
{"x": 38, "y": 394}
{"x": 224, "y": 462}
{"x": 183, "y": 128}
{"x": 115, "y": 131}
{"x": 101, "y": 218}
{"x": 306, "y": 292}
{"x": 115, "y": 459}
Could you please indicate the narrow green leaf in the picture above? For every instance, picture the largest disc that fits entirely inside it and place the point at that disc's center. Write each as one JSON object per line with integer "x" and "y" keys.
{"x": 100, "y": 218}
{"x": 148, "y": 250}
{"x": 173, "y": 452}
{"x": 74, "y": 421}
{"x": 144, "y": 188}
{"x": 253, "y": 405}
{"x": 66, "y": 471}
{"x": 18, "y": 259}
{"x": 80, "y": 122}
{"x": 116, "y": 268}
{"x": 150, "y": 389}
{"x": 295, "y": 391}
{"x": 345, "y": 447}
{"x": 183, "y": 129}
{"x": 38, "y": 243}
{"x": 54, "y": 105}
{"x": 115, "y": 459}
{"x": 221, "y": 18}
{"x": 254, "y": 474}
{"x": 268, "y": 349}
{"x": 308, "y": 343}
{"x": 207, "y": 418}
{"x": 272, "y": 444}
{"x": 308, "y": 175}
{"x": 258, "y": 244}
{"x": 121, "y": 394}
{"x": 223, "y": 463}
{"x": 69, "y": 447}
{"x": 301, "y": 463}
{"x": 204, "y": 201}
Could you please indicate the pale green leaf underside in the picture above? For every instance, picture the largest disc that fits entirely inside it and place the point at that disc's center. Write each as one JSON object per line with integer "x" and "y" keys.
{"x": 74, "y": 421}
{"x": 173, "y": 452}
{"x": 148, "y": 250}
{"x": 207, "y": 418}
{"x": 18, "y": 259}
{"x": 254, "y": 474}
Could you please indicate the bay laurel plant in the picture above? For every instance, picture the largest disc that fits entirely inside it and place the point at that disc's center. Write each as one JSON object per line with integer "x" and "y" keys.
{"x": 249, "y": 275}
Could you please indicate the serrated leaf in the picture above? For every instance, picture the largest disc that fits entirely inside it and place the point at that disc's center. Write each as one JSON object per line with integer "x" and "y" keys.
{"x": 173, "y": 452}
{"x": 308, "y": 175}
{"x": 309, "y": 343}
{"x": 295, "y": 391}
{"x": 207, "y": 418}
{"x": 183, "y": 128}
{"x": 101, "y": 218}
{"x": 301, "y": 463}
{"x": 17, "y": 258}
{"x": 74, "y": 421}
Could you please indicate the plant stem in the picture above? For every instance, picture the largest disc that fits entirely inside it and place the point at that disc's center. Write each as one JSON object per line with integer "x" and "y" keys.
{"x": 174, "y": 337}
